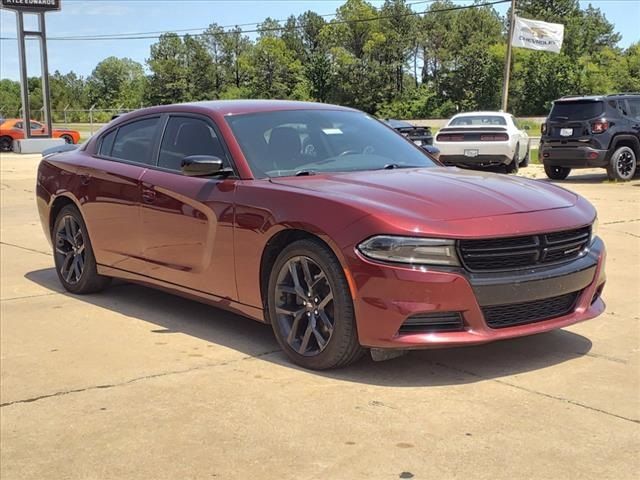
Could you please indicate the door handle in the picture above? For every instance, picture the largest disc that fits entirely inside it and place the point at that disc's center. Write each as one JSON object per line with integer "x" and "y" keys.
{"x": 85, "y": 179}
{"x": 148, "y": 195}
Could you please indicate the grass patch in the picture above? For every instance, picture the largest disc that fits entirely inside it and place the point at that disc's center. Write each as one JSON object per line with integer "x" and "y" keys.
{"x": 534, "y": 126}
{"x": 533, "y": 156}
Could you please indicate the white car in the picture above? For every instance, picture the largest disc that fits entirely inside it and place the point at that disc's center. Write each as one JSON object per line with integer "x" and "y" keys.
{"x": 483, "y": 139}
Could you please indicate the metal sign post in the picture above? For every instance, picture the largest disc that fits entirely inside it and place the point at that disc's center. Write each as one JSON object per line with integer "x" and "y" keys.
{"x": 39, "y": 8}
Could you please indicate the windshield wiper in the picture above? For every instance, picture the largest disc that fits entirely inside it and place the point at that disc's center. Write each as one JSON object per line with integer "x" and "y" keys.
{"x": 305, "y": 173}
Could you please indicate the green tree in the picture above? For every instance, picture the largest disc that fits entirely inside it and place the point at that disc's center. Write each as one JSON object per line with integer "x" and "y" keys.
{"x": 235, "y": 54}
{"x": 168, "y": 82}
{"x": 9, "y": 98}
{"x": 214, "y": 41}
{"x": 398, "y": 27}
{"x": 274, "y": 70}
{"x": 116, "y": 82}
{"x": 200, "y": 71}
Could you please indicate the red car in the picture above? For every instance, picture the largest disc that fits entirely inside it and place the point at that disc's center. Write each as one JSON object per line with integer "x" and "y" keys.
{"x": 12, "y": 129}
{"x": 325, "y": 223}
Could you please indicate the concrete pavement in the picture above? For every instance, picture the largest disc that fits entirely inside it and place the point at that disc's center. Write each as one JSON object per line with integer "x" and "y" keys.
{"x": 135, "y": 383}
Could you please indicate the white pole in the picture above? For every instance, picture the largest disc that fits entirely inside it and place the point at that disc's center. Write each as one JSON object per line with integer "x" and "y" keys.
{"x": 507, "y": 66}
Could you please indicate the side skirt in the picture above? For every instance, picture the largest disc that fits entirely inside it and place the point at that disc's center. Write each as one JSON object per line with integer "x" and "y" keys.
{"x": 224, "y": 303}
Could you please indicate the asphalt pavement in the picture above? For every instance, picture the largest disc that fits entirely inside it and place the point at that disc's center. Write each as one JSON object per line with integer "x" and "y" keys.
{"x": 134, "y": 383}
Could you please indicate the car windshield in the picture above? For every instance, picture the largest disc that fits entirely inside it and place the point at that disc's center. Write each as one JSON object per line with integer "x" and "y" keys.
{"x": 477, "y": 120}
{"x": 295, "y": 142}
{"x": 576, "y": 110}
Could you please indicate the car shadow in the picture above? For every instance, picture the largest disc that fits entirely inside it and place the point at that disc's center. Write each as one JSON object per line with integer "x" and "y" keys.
{"x": 597, "y": 177}
{"x": 173, "y": 314}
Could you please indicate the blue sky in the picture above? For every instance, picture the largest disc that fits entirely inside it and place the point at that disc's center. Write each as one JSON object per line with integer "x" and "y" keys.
{"x": 91, "y": 17}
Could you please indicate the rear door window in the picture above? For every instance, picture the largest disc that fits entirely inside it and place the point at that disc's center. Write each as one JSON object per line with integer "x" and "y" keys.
{"x": 106, "y": 144}
{"x": 579, "y": 110}
{"x": 134, "y": 141}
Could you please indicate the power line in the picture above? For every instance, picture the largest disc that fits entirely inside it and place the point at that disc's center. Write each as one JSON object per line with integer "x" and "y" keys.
{"x": 272, "y": 29}
{"x": 109, "y": 36}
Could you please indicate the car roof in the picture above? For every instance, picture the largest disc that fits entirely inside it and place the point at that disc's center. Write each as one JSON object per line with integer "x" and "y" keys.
{"x": 239, "y": 107}
{"x": 478, "y": 114}
{"x": 594, "y": 98}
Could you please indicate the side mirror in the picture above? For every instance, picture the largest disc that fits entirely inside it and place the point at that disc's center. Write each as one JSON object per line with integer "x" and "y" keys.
{"x": 201, "y": 165}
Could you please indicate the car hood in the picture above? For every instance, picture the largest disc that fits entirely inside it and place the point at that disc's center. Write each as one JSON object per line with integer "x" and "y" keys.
{"x": 436, "y": 193}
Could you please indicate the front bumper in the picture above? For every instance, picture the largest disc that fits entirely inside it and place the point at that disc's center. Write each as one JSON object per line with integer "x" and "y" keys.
{"x": 387, "y": 295}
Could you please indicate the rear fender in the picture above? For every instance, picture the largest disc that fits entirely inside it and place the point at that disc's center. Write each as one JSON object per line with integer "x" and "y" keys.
{"x": 631, "y": 139}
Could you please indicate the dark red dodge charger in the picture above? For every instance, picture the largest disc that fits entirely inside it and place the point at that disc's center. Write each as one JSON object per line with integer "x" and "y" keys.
{"x": 323, "y": 222}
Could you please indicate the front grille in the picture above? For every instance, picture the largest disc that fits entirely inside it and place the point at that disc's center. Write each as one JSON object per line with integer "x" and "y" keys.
{"x": 432, "y": 322}
{"x": 512, "y": 253}
{"x": 501, "y": 316}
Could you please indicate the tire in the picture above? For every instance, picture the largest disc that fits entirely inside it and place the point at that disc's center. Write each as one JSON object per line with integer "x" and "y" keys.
{"x": 514, "y": 166}
{"x": 68, "y": 139}
{"x": 6, "y": 144}
{"x": 75, "y": 263}
{"x": 525, "y": 160}
{"x": 557, "y": 173}
{"x": 316, "y": 331}
{"x": 622, "y": 165}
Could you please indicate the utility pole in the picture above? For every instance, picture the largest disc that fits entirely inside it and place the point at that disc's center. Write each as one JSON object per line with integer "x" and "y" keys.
{"x": 507, "y": 65}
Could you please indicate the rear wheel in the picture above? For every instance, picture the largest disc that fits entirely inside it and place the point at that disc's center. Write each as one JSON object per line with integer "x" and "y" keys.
{"x": 310, "y": 307}
{"x": 515, "y": 162}
{"x": 556, "y": 173}
{"x": 622, "y": 165}
{"x": 525, "y": 160}
{"x": 67, "y": 138}
{"x": 75, "y": 263}
{"x": 6, "y": 144}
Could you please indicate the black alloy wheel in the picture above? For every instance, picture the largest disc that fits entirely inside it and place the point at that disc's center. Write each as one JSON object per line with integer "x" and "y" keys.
{"x": 73, "y": 255}
{"x": 623, "y": 164}
{"x": 70, "y": 249}
{"x": 304, "y": 308}
{"x": 310, "y": 307}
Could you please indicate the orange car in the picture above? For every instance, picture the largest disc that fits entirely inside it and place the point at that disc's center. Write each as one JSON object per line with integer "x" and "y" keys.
{"x": 12, "y": 129}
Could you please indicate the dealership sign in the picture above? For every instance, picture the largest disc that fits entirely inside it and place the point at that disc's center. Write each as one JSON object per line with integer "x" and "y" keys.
{"x": 31, "y": 6}
{"x": 537, "y": 35}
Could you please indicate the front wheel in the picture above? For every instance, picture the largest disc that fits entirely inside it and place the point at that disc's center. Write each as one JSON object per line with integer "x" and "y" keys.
{"x": 310, "y": 307}
{"x": 556, "y": 173}
{"x": 623, "y": 164}
{"x": 6, "y": 144}
{"x": 73, "y": 255}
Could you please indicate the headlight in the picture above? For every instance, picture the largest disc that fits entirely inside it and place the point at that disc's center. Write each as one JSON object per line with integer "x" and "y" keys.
{"x": 594, "y": 229}
{"x": 412, "y": 250}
